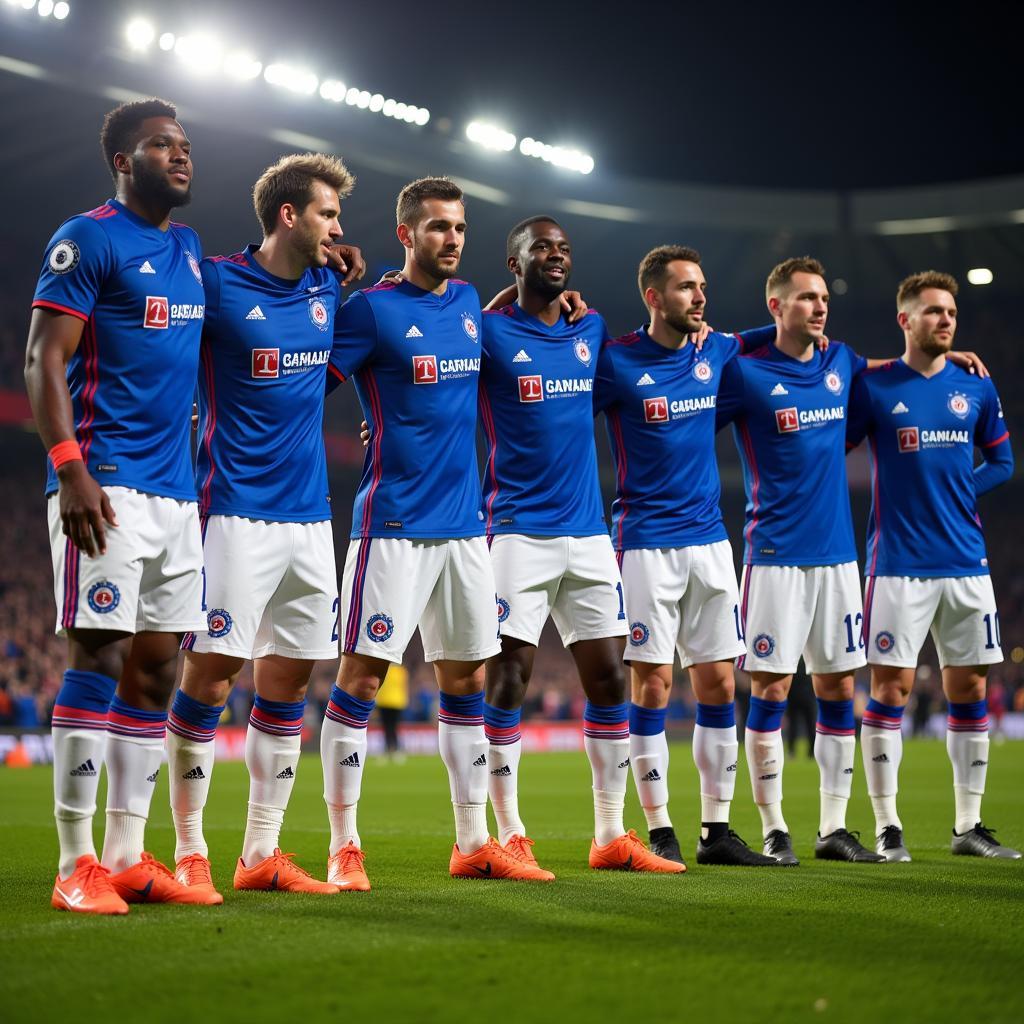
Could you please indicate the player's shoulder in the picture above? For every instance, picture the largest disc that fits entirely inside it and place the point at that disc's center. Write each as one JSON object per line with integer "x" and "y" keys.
{"x": 624, "y": 343}
{"x": 964, "y": 378}
{"x": 91, "y": 225}
{"x": 186, "y": 234}
{"x": 221, "y": 265}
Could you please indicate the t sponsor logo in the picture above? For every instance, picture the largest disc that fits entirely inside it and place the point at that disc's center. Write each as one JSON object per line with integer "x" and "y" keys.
{"x": 266, "y": 363}
{"x": 787, "y": 420}
{"x": 424, "y": 369}
{"x": 157, "y": 312}
{"x": 531, "y": 388}
{"x": 656, "y": 409}
{"x": 908, "y": 439}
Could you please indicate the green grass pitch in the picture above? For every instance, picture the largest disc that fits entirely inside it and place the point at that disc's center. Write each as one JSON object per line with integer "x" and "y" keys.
{"x": 939, "y": 939}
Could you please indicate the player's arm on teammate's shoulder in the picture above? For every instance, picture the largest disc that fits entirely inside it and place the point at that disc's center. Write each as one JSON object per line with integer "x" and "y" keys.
{"x": 729, "y": 404}
{"x": 353, "y": 341}
{"x": 858, "y": 418}
{"x": 969, "y": 361}
{"x": 85, "y": 509}
{"x": 348, "y": 261}
{"x": 993, "y": 441}
{"x": 574, "y": 306}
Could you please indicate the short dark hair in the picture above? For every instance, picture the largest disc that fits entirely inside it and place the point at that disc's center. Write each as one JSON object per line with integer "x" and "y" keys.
{"x": 409, "y": 208}
{"x": 782, "y": 273}
{"x": 121, "y": 126}
{"x": 654, "y": 266}
{"x": 518, "y": 233}
{"x": 911, "y": 287}
{"x": 291, "y": 179}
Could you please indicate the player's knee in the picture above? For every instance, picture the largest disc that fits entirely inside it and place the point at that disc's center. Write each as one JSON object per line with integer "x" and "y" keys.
{"x": 606, "y": 684}
{"x": 506, "y": 687}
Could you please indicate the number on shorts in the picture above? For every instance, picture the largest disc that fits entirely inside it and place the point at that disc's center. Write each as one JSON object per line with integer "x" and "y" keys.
{"x": 854, "y": 622}
{"x": 739, "y": 625}
{"x": 337, "y": 615}
{"x": 622, "y": 607}
{"x": 992, "y": 628}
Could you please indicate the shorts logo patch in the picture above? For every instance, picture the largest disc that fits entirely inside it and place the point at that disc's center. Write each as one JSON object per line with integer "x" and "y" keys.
{"x": 833, "y": 382}
{"x": 424, "y": 369}
{"x": 959, "y": 405}
{"x": 639, "y": 634}
{"x": 530, "y": 388}
{"x": 503, "y": 609}
{"x": 157, "y": 313}
{"x": 908, "y": 439}
{"x": 702, "y": 371}
{"x": 656, "y": 410}
{"x": 470, "y": 327}
{"x": 265, "y": 363}
{"x": 379, "y": 628}
{"x": 764, "y": 645}
{"x": 885, "y": 641}
{"x": 318, "y": 313}
{"x": 582, "y": 351}
{"x": 218, "y": 622}
{"x": 64, "y": 257}
{"x": 104, "y": 597}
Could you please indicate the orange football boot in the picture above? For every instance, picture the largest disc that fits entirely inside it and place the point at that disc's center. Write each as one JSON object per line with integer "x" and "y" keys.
{"x": 194, "y": 871}
{"x": 345, "y": 869}
{"x": 520, "y": 848}
{"x": 492, "y": 860}
{"x": 87, "y": 890}
{"x": 279, "y": 873}
{"x": 149, "y": 881}
{"x": 628, "y": 853}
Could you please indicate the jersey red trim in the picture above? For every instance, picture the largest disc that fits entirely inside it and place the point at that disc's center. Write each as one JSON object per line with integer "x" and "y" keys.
{"x": 998, "y": 440}
{"x": 46, "y": 304}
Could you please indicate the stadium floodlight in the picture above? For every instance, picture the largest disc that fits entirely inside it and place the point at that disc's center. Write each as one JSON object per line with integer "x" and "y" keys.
{"x": 333, "y": 90}
{"x": 839, "y": 286}
{"x": 489, "y": 136}
{"x": 242, "y": 66}
{"x": 166, "y": 41}
{"x": 27, "y": 5}
{"x": 201, "y": 52}
{"x": 139, "y": 33}
{"x": 570, "y": 159}
{"x": 363, "y": 99}
{"x": 980, "y": 275}
{"x": 352, "y": 96}
{"x": 376, "y": 102}
{"x": 61, "y": 10}
{"x": 297, "y": 80}
{"x": 45, "y": 8}
{"x": 388, "y": 110}
{"x": 422, "y": 116}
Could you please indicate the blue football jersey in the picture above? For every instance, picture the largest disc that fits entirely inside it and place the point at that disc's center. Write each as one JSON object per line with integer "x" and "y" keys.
{"x": 537, "y": 417}
{"x": 415, "y": 357}
{"x": 790, "y": 424}
{"x": 133, "y": 376}
{"x": 266, "y": 342}
{"x": 660, "y": 405}
{"x": 921, "y": 433}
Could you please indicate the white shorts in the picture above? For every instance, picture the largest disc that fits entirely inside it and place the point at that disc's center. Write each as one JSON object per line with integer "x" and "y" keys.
{"x": 960, "y": 612}
{"x": 150, "y": 578}
{"x": 391, "y": 585}
{"x": 685, "y": 600}
{"x": 270, "y": 588}
{"x": 575, "y": 580}
{"x": 789, "y": 610}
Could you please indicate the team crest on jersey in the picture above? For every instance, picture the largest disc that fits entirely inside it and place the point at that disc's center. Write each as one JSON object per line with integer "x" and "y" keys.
{"x": 702, "y": 371}
{"x": 379, "y": 627}
{"x": 582, "y": 351}
{"x": 885, "y": 641}
{"x": 764, "y": 645}
{"x": 639, "y": 634}
{"x": 104, "y": 597}
{"x": 193, "y": 265}
{"x": 959, "y": 405}
{"x": 218, "y": 622}
{"x": 470, "y": 327}
{"x": 318, "y": 313}
{"x": 64, "y": 257}
{"x": 833, "y": 382}
{"x": 503, "y": 609}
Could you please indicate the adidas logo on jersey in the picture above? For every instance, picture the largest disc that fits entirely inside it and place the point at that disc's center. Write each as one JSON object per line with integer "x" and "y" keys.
{"x": 898, "y": 408}
{"x": 85, "y": 768}
{"x": 414, "y": 332}
{"x": 651, "y": 776}
{"x": 778, "y": 390}
{"x": 521, "y": 357}
{"x": 624, "y": 764}
{"x": 352, "y": 761}
{"x": 152, "y": 778}
{"x": 255, "y": 314}
{"x": 503, "y": 770}
{"x": 480, "y": 761}
{"x": 195, "y": 774}
{"x": 147, "y": 268}
{"x": 645, "y": 380}
{"x": 287, "y": 773}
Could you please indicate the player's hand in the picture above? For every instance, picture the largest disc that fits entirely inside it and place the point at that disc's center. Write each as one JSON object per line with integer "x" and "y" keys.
{"x": 348, "y": 261}
{"x": 573, "y": 306}
{"x": 822, "y": 343}
{"x": 699, "y": 337}
{"x": 364, "y": 433}
{"x": 85, "y": 509}
{"x": 970, "y": 361}
{"x": 391, "y": 275}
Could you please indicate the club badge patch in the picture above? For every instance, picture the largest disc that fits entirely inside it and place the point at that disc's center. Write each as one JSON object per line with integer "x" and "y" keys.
{"x": 703, "y": 371}
{"x": 193, "y": 265}
{"x": 318, "y": 313}
{"x": 959, "y": 405}
{"x": 104, "y": 597}
{"x": 639, "y": 634}
{"x": 764, "y": 645}
{"x": 64, "y": 257}
{"x": 582, "y": 351}
{"x": 884, "y": 641}
{"x": 218, "y": 622}
{"x": 379, "y": 627}
{"x": 833, "y": 382}
{"x": 503, "y": 609}
{"x": 470, "y": 327}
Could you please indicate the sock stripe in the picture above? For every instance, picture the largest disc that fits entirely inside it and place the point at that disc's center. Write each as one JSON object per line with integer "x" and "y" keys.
{"x": 606, "y": 730}
{"x": 274, "y": 725}
{"x": 65, "y": 717}
{"x": 455, "y": 718}
{"x": 502, "y": 736}
{"x": 338, "y": 714}
{"x": 189, "y": 730}
{"x": 880, "y": 721}
{"x": 126, "y": 724}
{"x": 967, "y": 724}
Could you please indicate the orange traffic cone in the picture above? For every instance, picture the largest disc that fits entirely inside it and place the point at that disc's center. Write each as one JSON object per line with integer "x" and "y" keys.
{"x": 18, "y": 757}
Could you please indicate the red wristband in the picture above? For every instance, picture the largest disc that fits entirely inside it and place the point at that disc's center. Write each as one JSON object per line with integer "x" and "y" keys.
{"x": 63, "y": 452}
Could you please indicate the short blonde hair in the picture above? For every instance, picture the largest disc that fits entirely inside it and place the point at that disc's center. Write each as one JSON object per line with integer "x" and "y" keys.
{"x": 291, "y": 179}
{"x": 783, "y": 273}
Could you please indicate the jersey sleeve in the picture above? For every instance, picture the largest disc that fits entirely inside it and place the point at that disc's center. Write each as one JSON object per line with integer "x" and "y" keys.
{"x": 731, "y": 346}
{"x": 859, "y": 422}
{"x": 78, "y": 260}
{"x": 604, "y": 381}
{"x": 355, "y": 337}
{"x": 858, "y": 364}
{"x": 210, "y": 273}
{"x": 756, "y": 337}
{"x": 730, "y": 395}
{"x": 990, "y": 429}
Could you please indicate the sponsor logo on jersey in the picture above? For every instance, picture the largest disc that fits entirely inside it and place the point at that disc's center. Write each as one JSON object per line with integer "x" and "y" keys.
{"x": 379, "y": 627}
{"x": 639, "y": 634}
{"x": 833, "y": 382}
{"x": 531, "y": 388}
{"x": 157, "y": 312}
{"x": 255, "y": 314}
{"x": 568, "y": 386}
{"x": 503, "y": 609}
{"x": 64, "y": 257}
{"x": 764, "y": 645}
{"x": 656, "y": 409}
{"x": 299, "y": 362}
{"x": 104, "y": 597}
{"x": 265, "y": 363}
{"x": 521, "y": 357}
{"x": 193, "y": 265}
{"x": 461, "y": 367}
{"x": 959, "y": 404}
{"x": 787, "y": 421}
{"x": 778, "y": 390}
{"x": 470, "y": 327}
{"x": 581, "y": 350}
{"x": 218, "y": 622}
{"x": 414, "y": 332}
{"x": 645, "y": 380}
{"x": 907, "y": 439}
{"x": 884, "y": 641}
{"x": 424, "y": 369}
{"x": 791, "y": 419}
{"x": 319, "y": 313}
{"x": 913, "y": 439}
{"x": 702, "y": 371}
{"x": 899, "y": 408}
{"x": 146, "y": 268}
